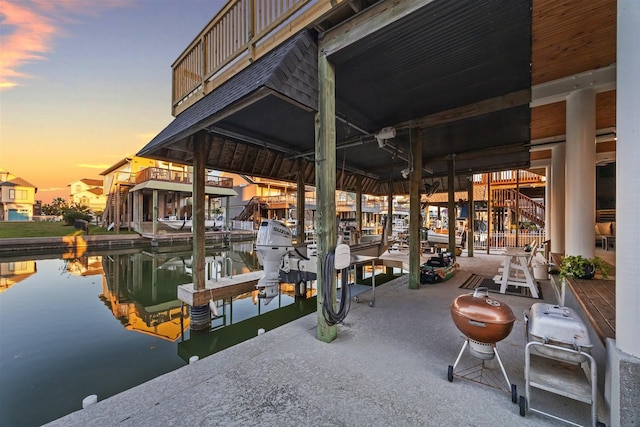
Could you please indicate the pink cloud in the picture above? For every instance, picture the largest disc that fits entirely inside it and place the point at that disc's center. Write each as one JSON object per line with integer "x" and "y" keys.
{"x": 30, "y": 28}
{"x": 26, "y": 37}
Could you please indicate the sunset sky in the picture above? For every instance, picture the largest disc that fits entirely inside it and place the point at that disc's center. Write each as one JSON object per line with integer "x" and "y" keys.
{"x": 84, "y": 83}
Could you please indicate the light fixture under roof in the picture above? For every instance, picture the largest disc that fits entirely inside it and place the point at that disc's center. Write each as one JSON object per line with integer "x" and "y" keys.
{"x": 384, "y": 134}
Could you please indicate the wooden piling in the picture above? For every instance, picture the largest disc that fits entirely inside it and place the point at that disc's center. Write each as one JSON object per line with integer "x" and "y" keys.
{"x": 325, "y": 185}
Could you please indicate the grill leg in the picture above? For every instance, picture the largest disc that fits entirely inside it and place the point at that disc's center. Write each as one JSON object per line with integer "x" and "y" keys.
{"x": 495, "y": 350}
{"x": 466, "y": 342}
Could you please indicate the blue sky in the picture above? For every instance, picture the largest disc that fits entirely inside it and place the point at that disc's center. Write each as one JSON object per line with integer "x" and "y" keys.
{"x": 84, "y": 83}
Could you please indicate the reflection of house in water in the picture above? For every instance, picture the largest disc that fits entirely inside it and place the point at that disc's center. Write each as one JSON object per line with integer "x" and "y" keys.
{"x": 226, "y": 333}
{"x": 140, "y": 289}
{"x": 14, "y": 272}
{"x": 143, "y": 296}
{"x": 85, "y": 266}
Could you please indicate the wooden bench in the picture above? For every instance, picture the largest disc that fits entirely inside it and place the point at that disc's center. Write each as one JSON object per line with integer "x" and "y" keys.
{"x": 597, "y": 299}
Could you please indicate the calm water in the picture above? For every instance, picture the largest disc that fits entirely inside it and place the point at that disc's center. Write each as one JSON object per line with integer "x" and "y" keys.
{"x": 104, "y": 323}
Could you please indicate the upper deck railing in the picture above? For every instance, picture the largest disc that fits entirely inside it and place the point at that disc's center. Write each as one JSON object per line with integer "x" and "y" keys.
{"x": 162, "y": 174}
{"x": 509, "y": 177}
{"x": 240, "y": 33}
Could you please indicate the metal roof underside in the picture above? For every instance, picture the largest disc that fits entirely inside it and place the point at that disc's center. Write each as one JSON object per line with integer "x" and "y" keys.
{"x": 436, "y": 68}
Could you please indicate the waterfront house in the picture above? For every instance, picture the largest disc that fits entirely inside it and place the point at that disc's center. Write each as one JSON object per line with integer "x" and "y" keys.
{"x": 141, "y": 191}
{"x": 17, "y": 197}
{"x": 87, "y": 192}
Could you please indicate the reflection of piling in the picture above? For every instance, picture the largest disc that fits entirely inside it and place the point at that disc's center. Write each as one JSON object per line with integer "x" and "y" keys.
{"x": 220, "y": 289}
{"x": 301, "y": 289}
{"x": 200, "y": 317}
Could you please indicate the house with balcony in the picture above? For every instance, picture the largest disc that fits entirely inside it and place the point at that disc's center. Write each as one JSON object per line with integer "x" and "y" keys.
{"x": 141, "y": 192}
{"x": 260, "y": 198}
{"x": 17, "y": 197}
{"x": 88, "y": 192}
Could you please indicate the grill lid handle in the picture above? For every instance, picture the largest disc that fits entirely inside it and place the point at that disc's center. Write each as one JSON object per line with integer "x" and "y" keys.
{"x": 480, "y": 292}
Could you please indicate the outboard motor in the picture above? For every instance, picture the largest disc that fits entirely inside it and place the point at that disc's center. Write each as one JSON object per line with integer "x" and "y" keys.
{"x": 273, "y": 242}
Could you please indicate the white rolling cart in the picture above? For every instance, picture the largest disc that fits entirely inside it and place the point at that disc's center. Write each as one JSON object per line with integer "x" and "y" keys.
{"x": 557, "y": 359}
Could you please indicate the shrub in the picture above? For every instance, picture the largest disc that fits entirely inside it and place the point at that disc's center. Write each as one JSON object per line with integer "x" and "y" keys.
{"x": 71, "y": 214}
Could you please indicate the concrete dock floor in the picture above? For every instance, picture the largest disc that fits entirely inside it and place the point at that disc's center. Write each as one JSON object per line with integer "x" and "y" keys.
{"x": 388, "y": 366}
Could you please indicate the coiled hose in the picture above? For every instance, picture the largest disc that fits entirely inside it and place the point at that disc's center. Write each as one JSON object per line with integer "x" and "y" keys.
{"x": 328, "y": 296}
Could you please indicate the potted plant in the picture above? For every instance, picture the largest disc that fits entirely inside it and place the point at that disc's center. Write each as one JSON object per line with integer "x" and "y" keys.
{"x": 583, "y": 268}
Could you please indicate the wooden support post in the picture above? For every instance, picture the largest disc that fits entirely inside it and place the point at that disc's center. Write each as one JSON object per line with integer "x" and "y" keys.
{"x": 117, "y": 215}
{"x": 517, "y": 203}
{"x": 415, "y": 180}
{"x": 390, "y": 210}
{"x": 325, "y": 185}
{"x": 154, "y": 219}
{"x": 451, "y": 206}
{"x": 227, "y": 209}
{"x": 471, "y": 216}
{"x": 359, "y": 203}
{"x": 199, "y": 150}
{"x": 130, "y": 209}
{"x": 489, "y": 213}
{"x": 300, "y": 202}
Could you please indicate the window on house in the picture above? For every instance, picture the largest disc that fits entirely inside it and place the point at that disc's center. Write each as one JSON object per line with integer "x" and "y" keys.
{"x": 12, "y": 194}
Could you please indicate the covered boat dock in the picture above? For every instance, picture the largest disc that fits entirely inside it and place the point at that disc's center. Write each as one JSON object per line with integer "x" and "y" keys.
{"x": 378, "y": 97}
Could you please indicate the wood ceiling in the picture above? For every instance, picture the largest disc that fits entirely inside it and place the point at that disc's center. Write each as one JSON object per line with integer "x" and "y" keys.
{"x": 571, "y": 37}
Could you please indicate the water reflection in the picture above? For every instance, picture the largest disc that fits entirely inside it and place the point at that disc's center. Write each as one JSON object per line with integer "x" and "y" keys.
{"x": 14, "y": 272}
{"x": 226, "y": 334}
{"x": 59, "y": 342}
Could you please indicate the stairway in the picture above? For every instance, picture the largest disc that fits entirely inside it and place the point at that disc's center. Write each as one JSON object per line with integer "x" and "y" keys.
{"x": 527, "y": 207}
{"x": 112, "y": 209}
{"x": 255, "y": 203}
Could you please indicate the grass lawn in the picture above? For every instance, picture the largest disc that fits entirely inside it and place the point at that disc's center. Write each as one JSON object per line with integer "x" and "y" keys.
{"x": 46, "y": 229}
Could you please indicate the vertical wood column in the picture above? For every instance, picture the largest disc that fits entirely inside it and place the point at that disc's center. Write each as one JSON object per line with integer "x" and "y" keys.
{"x": 580, "y": 185}
{"x": 489, "y": 214}
{"x": 199, "y": 150}
{"x": 414, "y": 208}
{"x": 517, "y": 208}
{"x": 154, "y": 219}
{"x": 135, "y": 209}
{"x": 227, "y": 213}
{"x": 129, "y": 210}
{"x": 472, "y": 215}
{"x": 557, "y": 184}
{"x": 359, "y": 203}
{"x": 117, "y": 215}
{"x": 390, "y": 211}
{"x": 451, "y": 206}
{"x": 300, "y": 202}
{"x": 140, "y": 209}
{"x": 325, "y": 185}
